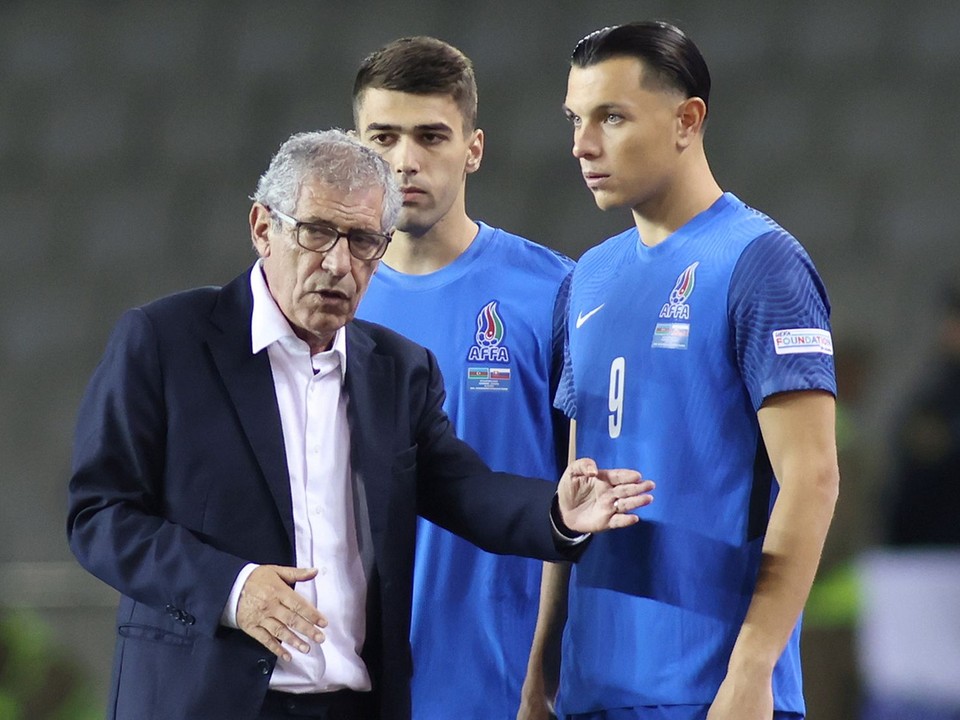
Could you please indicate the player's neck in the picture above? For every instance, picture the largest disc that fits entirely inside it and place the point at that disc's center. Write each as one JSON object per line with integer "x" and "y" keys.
{"x": 686, "y": 197}
{"x": 439, "y": 246}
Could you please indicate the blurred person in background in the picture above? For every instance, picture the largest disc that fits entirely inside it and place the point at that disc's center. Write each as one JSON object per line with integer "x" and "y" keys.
{"x": 249, "y": 462}
{"x": 909, "y": 631}
{"x": 483, "y": 300}
{"x": 926, "y": 468}
{"x": 698, "y": 344}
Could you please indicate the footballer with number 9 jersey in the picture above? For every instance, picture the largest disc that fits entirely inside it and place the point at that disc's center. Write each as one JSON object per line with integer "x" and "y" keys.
{"x": 699, "y": 348}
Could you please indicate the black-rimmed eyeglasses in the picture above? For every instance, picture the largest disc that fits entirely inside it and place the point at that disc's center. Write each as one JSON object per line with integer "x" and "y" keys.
{"x": 321, "y": 237}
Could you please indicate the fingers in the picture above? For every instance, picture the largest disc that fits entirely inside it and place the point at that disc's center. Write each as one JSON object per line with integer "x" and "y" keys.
{"x": 293, "y": 575}
{"x": 621, "y": 520}
{"x": 623, "y": 505}
{"x": 582, "y": 466}
{"x": 630, "y": 496}
{"x": 272, "y": 613}
{"x": 619, "y": 476}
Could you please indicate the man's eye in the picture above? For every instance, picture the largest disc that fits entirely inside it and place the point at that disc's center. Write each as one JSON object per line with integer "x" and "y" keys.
{"x": 318, "y": 233}
{"x": 381, "y": 139}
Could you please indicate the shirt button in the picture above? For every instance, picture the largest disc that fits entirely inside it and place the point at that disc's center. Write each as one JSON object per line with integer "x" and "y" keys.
{"x": 323, "y": 571}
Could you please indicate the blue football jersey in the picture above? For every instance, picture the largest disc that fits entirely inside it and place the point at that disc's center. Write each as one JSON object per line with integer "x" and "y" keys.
{"x": 491, "y": 319}
{"x": 670, "y": 352}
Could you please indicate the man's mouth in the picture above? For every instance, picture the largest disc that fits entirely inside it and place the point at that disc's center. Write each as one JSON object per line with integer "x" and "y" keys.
{"x": 594, "y": 180}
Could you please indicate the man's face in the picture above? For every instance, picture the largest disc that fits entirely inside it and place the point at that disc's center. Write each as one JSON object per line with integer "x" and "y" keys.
{"x": 624, "y": 134}
{"x": 318, "y": 292}
{"x": 423, "y": 139}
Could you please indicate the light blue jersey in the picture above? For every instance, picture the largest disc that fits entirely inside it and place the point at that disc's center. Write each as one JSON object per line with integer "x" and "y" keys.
{"x": 671, "y": 350}
{"x": 490, "y": 318}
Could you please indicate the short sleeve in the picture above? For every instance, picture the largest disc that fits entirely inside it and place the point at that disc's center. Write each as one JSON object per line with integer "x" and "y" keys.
{"x": 780, "y": 316}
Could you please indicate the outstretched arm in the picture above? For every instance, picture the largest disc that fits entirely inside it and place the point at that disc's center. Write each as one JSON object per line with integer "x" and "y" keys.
{"x": 799, "y": 433}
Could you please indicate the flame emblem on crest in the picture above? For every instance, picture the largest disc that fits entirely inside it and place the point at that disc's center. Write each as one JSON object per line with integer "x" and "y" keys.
{"x": 489, "y": 326}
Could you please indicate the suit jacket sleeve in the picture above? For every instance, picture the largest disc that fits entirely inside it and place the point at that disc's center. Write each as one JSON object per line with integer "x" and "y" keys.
{"x": 118, "y": 520}
{"x": 499, "y": 512}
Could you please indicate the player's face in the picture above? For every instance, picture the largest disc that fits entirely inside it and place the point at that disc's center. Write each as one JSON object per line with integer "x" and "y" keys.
{"x": 423, "y": 139}
{"x": 318, "y": 292}
{"x": 624, "y": 133}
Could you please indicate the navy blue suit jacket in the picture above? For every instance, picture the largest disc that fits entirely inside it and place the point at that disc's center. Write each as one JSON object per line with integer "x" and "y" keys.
{"x": 180, "y": 479}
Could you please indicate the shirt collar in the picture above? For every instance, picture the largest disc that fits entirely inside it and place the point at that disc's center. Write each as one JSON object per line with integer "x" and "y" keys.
{"x": 269, "y": 325}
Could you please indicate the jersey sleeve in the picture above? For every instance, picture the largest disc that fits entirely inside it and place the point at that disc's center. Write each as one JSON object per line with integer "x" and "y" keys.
{"x": 780, "y": 318}
{"x": 564, "y": 397}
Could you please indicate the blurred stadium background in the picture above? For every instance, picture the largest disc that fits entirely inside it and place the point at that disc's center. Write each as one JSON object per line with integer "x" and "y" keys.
{"x": 132, "y": 133}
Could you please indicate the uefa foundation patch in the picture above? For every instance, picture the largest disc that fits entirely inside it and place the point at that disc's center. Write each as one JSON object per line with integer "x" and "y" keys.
{"x": 802, "y": 340}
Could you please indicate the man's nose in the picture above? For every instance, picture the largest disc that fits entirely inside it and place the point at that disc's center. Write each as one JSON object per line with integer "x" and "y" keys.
{"x": 337, "y": 259}
{"x": 585, "y": 142}
{"x": 406, "y": 158}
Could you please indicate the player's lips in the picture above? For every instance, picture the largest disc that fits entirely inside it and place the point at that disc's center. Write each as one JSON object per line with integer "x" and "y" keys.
{"x": 594, "y": 180}
{"x": 411, "y": 192}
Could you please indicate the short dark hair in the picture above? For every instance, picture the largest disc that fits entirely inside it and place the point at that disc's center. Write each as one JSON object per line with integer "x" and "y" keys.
{"x": 422, "y": 66}
{"x": 674, "y": 60}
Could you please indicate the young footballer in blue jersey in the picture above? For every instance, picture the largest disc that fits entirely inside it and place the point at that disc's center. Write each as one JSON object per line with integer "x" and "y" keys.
{"x": 698, "y": 346}
{"x": 484, "y": 301}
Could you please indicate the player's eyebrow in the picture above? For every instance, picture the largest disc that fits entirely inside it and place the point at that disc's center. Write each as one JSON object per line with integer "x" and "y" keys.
{"x": 434, "y": 127}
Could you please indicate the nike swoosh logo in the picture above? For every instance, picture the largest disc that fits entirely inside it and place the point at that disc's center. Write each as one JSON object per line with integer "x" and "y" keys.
{"x": 581, "y": 318}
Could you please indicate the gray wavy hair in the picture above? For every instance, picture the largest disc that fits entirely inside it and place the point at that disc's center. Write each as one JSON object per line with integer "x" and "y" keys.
{"x": 332, "y": 157}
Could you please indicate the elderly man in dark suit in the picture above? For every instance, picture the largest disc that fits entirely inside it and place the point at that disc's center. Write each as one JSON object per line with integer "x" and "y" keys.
{"x": 250, "y": 460}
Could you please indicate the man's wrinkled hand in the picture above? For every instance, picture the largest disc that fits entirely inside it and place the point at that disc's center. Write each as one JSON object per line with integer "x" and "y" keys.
{"x": 594, "y": 500}
{"x": 273, "y": 614}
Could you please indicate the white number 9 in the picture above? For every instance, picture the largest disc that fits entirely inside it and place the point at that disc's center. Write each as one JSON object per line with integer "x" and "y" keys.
{"x": 615, "y": 402}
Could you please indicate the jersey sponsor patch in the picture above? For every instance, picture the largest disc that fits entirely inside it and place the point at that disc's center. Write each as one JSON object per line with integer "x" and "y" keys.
{"x": 802, "y": 340}
{"x": 488, "y": 378}
{"x": 671, "y": 336}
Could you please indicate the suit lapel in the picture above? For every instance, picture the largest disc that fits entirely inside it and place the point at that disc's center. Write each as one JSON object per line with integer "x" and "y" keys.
{"x": 249, "y": 382}
{"x": 371, "y": 393}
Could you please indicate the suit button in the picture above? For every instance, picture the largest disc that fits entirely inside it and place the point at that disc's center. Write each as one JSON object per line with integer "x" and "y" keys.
{"x": 263, "y": 665}
{"x": 189, "y": 619}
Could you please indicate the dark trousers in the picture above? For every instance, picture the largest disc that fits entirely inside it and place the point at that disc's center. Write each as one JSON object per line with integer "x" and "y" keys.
{"x": 339, "y": 705}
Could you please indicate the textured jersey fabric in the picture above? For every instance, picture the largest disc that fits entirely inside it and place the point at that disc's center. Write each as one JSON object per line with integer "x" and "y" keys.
{"x": 489, "y": 317}
{"x": 670, "y": 352}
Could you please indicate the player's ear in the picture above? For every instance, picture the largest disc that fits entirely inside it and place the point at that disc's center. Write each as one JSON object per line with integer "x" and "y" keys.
{"x": 474, "y": 151}
{"x": 691, "y": 115}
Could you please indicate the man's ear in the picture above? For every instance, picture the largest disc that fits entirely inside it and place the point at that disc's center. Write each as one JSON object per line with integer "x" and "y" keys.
{"x": 474, "y": 151}
{"x": 260, "y": 224}
{"x": 691, "y": 116}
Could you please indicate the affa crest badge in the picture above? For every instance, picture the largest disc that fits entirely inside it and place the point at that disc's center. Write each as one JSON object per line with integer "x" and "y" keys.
{"x": 488, "y": 348}
{"x": 676, "y": 335}
{"x": 489, "y": 345}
